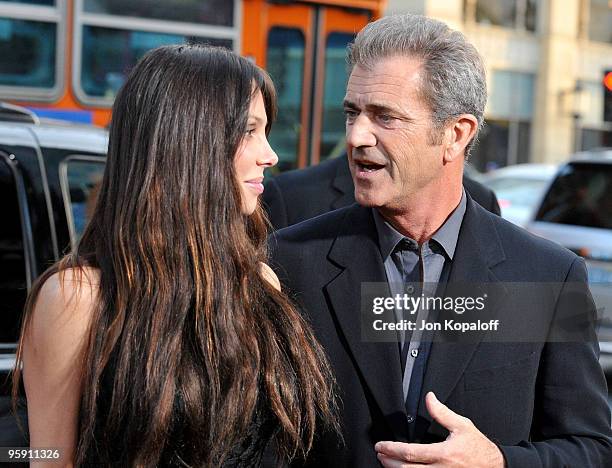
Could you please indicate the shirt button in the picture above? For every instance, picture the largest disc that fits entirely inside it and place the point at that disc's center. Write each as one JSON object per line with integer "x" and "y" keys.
{"x": 410, "y": 419}
{"x": 414, "y": 352}
{"x": 409, "y": 289}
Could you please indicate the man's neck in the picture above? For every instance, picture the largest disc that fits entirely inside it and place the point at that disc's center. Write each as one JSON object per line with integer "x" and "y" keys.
{"x": 422, "y": 215}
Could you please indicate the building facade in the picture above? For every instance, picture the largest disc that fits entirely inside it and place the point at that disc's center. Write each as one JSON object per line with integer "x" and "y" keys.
{"x": 545, "y": 63}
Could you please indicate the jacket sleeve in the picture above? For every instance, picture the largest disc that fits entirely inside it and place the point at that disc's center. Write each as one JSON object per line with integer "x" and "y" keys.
{"x": 571, "y": 423}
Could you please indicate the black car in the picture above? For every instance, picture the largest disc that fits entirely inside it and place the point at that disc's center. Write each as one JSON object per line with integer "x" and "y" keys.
{"x": 49, "y": 171}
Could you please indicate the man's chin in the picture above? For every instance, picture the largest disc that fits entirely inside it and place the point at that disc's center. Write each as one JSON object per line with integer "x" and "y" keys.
{"x": 366, "y": 200}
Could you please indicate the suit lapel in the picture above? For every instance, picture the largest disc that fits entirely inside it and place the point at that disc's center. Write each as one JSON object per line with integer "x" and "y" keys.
{"x": 356, "y": 252}
{"x": 478, "y": 249}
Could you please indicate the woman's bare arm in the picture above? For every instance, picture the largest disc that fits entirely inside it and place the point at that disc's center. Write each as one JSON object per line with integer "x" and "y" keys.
{"x": 52, "y": 353}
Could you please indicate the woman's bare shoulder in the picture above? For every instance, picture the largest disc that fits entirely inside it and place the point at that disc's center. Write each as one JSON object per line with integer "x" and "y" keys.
{"x": 71, "y": 287}
{"x": 65, "y": 302}
{"x": 269, "y": 275}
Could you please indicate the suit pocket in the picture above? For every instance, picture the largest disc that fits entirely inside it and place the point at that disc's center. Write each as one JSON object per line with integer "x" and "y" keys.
{"x": 502, "y": 376}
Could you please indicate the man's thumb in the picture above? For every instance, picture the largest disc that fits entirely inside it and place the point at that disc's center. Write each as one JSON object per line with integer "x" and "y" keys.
{"x": 442, "y": 413}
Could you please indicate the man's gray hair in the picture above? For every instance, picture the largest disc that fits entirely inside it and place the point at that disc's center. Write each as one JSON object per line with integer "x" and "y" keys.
{"x": 454, "y": 80}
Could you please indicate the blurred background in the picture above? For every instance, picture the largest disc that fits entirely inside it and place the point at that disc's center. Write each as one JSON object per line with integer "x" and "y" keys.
{"x": 543, "y": 149}
{"x": 546, "y": 62}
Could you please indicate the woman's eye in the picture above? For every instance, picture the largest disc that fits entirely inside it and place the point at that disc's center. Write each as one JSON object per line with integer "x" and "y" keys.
{"x": 250, "y": 131}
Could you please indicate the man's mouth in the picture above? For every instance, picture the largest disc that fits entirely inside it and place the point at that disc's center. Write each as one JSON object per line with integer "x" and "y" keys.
{"x": 368, "y": 166}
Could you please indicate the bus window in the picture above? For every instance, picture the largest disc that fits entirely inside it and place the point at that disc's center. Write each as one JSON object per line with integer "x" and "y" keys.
{"x": 214, "y": 12}
{"x": 108, "y": 54}
{"x": 27, "y": 53}
{"x": 32, "y": 2}
{"x": 285, "y": 63}
{"x": 336, "y": 76}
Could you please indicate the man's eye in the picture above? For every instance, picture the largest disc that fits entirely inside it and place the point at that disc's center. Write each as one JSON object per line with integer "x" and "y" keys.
{"x": 386, "y": 118}
{"x": 350, "y": 114}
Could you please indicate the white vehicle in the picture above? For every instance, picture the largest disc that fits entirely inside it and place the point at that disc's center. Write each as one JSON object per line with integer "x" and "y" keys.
{"x": 576, "y": 212}
{"x": 48, "y": 176}
{"x": 519, "y": 189}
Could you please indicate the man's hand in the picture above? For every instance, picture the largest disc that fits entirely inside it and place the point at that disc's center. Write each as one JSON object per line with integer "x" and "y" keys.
{"x": 466, "y": 446}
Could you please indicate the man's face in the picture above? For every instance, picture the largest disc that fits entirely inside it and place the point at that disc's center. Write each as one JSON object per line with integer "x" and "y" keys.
{"x": 389, "y": 134}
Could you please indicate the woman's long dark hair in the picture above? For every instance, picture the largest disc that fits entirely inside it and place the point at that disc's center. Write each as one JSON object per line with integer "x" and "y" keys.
{"x": 184, "y": 313}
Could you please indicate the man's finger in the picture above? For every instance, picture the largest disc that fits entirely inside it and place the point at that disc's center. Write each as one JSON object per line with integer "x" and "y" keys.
{"x": 443, "y": 414}
{"x": 389, "y": 462}
{"x": 416, "y": 453}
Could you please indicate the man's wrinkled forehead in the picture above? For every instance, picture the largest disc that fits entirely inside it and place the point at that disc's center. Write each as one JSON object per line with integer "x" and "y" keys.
{"x": 387, "y": 80}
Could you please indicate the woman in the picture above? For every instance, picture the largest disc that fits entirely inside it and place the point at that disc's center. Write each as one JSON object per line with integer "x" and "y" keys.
{"x": 164, "y": 339}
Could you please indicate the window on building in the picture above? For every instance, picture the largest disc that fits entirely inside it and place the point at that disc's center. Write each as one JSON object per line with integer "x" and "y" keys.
{"x": 29, "y": 32}
{"x": 592, "y": 138}
{"x": 517, "y": 14}
{"x": 499, "y": 13}
{"x": 594, "y": 132}
{"x": 506, "y": 136}
{"x": 600, "y": 20}
{"x": 511, "y": 94}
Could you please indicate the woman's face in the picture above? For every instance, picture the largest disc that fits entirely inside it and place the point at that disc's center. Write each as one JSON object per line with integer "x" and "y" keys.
{"x": 254, "y": 155}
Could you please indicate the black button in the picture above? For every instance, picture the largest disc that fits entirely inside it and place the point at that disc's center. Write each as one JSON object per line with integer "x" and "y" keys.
{"x": 410, "y": 418}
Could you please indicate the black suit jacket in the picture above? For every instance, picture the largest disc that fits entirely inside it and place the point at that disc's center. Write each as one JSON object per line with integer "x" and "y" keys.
{"x": 544, "y": 403}
{"x": 295, "y": 196}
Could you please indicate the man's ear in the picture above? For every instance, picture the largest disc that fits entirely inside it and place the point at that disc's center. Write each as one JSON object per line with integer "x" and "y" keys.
{"x": 458, "y": 134}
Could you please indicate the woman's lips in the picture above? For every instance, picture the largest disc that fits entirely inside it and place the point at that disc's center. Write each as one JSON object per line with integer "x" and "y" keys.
{"x": 256, "y": 184}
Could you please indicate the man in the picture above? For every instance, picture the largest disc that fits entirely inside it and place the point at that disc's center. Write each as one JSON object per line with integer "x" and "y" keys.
{"x": 302, "y": 194}
{"x": 414, "y": 103}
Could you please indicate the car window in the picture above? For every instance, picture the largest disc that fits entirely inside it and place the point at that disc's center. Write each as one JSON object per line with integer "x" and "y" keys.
{"x": 518, "y": 191}
{"x": 581, "y": 195}
{"x": 13, "y": 273}
{"x": 80, "y": 178}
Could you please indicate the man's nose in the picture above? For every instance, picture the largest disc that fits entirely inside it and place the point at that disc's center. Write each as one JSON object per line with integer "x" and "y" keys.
{"x": 360, "y": 132}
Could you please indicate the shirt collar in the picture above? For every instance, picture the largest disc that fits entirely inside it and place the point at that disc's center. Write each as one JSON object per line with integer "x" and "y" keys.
{"x": 446, "y": 236}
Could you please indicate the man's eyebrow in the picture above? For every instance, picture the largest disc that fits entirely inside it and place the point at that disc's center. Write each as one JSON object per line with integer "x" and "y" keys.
{"x": 381, "y": 108}
{"x": 376, "y": 108}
